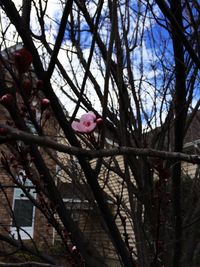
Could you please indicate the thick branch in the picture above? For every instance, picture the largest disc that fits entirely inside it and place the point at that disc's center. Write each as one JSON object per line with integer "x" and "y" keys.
{"x": 14, "y": 134}
{"x": 60, "y": 36}
{"x": 27, "y": 264}
{"x": 180, "y": 112}
{"x": 17, "y": 244}
{"x": 26, "y": 11}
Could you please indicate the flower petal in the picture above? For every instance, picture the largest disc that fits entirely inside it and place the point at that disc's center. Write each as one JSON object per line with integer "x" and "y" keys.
{"x": 90, "y": 116}
{"x": 75, "y": 126}
{"x": 87, "y": 129}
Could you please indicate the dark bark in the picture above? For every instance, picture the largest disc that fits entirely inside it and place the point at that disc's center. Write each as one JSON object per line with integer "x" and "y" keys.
{"x": 16, "y": 244}
{"x": 14, "y": 134}
{"x": 180, "y": 110}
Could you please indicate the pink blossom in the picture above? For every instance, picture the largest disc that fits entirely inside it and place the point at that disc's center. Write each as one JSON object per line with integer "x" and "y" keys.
{"x": 86, "y": 124}
{"x": 99, "y": 121}
{"x": 45, "y": 103}
{"x": 7, "y": 99}
{"x": 74, "y": 248}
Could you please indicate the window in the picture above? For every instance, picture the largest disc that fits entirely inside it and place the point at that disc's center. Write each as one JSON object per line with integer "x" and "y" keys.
{"x": 23, "y": 210}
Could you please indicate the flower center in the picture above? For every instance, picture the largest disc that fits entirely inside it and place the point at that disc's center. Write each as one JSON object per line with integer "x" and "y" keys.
{"x": 87, "y": 123}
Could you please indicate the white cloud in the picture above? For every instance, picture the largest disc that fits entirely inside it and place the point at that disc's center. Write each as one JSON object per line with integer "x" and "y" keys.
{"x": 53, "y": 14}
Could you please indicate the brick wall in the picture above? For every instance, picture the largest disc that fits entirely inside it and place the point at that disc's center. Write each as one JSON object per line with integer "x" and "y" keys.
{"x": 43, "y": 234}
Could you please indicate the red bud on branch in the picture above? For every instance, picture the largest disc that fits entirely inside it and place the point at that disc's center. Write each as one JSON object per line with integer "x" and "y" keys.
{"x": 23, "y": 60}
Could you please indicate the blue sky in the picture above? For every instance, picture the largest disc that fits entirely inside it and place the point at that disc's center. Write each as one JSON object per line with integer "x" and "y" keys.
{"x": 155, "y": 49}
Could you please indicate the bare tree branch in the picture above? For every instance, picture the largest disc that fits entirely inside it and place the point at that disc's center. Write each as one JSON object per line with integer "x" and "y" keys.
{"x": 28, "y": 264}
{"x": 166, "y": 11}
{"x": 14, "y": 134}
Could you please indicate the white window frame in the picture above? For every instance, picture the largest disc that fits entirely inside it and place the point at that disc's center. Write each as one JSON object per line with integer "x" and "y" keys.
{"x": 25, "y": 232}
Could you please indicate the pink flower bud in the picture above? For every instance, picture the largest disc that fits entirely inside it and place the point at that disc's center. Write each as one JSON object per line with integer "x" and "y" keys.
{"x": 22, "y": 60}
{"x": 45, "y": 103}
{"x": 47, "y": 115}
{"x": 74, "y": 249}
{"x": 27, "y": 87}
{"x": 23, "y": 108}
{"x": 39, "y": 84}
{"x": 3, "y": 131}
{"x": 7, "y": 99}
{"x": 12, "y": 158}
{"x": 99, "y": 121}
